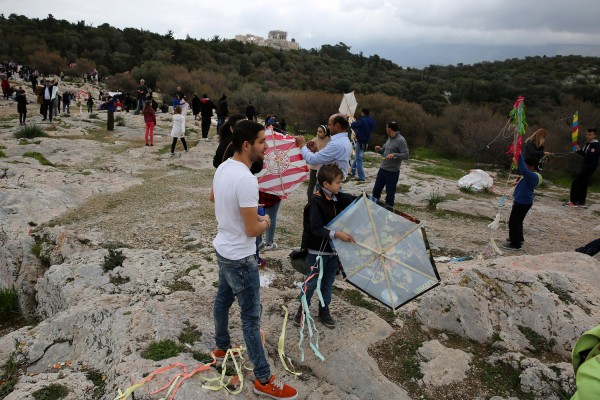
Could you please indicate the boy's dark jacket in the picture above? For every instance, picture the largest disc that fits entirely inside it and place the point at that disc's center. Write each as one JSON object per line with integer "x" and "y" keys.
{"x": 319, "y": 211}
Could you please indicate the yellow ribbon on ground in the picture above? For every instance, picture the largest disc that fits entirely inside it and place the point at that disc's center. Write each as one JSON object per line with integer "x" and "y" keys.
{"x": 281, "y": 347}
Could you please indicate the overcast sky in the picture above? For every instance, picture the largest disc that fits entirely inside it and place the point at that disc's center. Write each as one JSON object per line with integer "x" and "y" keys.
{"x": 413, "y": 33}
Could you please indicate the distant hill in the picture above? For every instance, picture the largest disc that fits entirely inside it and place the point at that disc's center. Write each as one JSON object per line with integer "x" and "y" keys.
{"x": 456, "y": 109}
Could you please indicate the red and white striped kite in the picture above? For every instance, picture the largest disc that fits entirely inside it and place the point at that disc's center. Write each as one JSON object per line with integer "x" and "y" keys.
{"x": 284, "y": 169}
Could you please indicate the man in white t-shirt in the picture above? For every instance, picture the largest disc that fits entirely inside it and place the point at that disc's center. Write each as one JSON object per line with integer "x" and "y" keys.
{"x": 235, "y": 194}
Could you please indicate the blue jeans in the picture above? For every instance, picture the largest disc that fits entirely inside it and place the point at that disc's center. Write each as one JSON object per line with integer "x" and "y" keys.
{"x": 220, "y": 121}
{"x": 330, "y": 267}
{"x": 389, "y": 180}
{"x": 357, "y": 165}
{"x": 67, "y": 108}
{"x": 272, "y": 213}
{"x": 140, "y": 105}
{"x": 239, "y": 278}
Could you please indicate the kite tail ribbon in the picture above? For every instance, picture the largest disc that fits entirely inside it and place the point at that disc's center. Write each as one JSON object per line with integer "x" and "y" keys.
{"x": 575, "y": 131}
{"x": 306, "y": 319}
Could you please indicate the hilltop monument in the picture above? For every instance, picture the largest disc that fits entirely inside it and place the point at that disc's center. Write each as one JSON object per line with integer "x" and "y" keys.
{"x": 276, "y": 40}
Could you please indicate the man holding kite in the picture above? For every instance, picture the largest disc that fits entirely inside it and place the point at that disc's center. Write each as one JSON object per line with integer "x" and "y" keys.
{"x": 338, "y": 150}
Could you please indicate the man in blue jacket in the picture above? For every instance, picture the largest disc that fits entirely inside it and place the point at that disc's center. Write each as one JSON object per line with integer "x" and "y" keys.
{"x": 523, "y": 200}
{"x": 363, "y": 127}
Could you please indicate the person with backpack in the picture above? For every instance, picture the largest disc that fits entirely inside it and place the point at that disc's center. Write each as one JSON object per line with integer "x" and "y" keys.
{"x": 324, "y": 206}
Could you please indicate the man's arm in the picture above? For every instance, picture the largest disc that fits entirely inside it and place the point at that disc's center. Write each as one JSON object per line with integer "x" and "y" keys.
{"x": 254, "y": 224}
{"x": 327, "y": 154}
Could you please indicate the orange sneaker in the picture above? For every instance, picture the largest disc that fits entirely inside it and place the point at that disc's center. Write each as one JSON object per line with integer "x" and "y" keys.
{"x": 220, "y": 354}
{"x": 275, "y": 389}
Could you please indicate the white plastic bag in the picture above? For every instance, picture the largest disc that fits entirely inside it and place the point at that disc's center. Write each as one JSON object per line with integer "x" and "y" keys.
{"x": 476, "y": 180}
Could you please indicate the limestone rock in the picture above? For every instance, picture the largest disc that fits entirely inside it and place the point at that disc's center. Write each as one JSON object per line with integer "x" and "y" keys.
{"x": 526, "y": 301}
{"x": 442, "y": 365}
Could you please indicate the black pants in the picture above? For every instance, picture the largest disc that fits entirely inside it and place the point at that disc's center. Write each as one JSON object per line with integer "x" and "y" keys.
{"x": 205, "y": 126}
{"x": 579, "y": 186}
{"x": 175, "y": 142}
{"x": 47, "y": 108}
{"x": 515, "y": 224}
{"x": 22, "y": 117}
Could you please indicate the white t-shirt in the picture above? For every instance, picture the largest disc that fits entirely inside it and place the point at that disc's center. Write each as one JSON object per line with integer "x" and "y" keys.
{"x": 234, "y": 187}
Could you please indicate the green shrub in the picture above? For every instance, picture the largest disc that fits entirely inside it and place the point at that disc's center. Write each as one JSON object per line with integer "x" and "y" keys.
{"x": 39, "y": 157}
{"x": 2, "y": 154}
{"x": 120, "y": 120}
{"x": 161, "y": 350}
{"x": 99, "y": 382}
{"x": 9, "y": 304}
{"x": 10, "y": 376}
{"x": 113, "y": 260}
{"x": 94, "y": 116}
{"x": 435, "y": 197}
{"x": 30, "y": 132}
{"x": 51, "y": 392}
{"x": 189, "y": 336}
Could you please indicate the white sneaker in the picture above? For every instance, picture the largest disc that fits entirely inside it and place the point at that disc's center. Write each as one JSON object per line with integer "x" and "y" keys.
{"x": 270, "y": 246}
{"x": 206, "y": 139}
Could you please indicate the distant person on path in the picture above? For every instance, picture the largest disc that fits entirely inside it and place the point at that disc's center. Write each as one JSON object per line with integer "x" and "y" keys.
{"x": 590, "y": 154}
{"x": 142, "y": 92}
{"x": 66, "y": 98}
{"x": 47, "y": 101}
{"x": 178, "y": 130}
{"x": 316, "y": 238}
{"x": 338, "y": 150}
{"x": 150, "y": 120}
{"x": 206, "y": 110}
{"x": 222, "y": 111}
{"x": 363, "y": 127}
{"x": 21, "y": 106}
{"x": 523, "y": 200}
{"x": 393, "y": 151}
{"x": 90, "y": 103}
{"x": 534, "y": 146}
{"x": 235, "y": 195}
{"x": 5, "y": 88}
{"x": 321, "y": 140}
{"x": 195, "y": 106}
{"x": 251, "y": 111}
{"x": 55, "y": 99}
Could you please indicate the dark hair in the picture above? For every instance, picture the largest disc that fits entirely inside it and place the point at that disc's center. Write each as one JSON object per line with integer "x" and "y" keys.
{"x": 365, "y": 111}
{"x": 245, "y": 131}
{"x": 147, "y": 106}
{"x": 340, "y": 119}
{"x": 328, "y": 172}
{"x": 225, "y": 129}
{"x": 393, "y": 126}
{"x": 592, "y": 130}
{"x": 532, "y": 162}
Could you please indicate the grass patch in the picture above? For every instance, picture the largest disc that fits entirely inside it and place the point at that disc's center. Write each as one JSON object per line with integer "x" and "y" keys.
{"x": 23, "y": 142}
{"x": 115, "y": 245}
{"x": 562, "y": 294}
{"x": 9, "y": 304}
{"x": 179, "y": 285}
{"x": 99, "y": 381}
{"x": 442, "y": 171}
{"x": 9, "y": 117}
{"x": 190, "y": 335}
{"x": 114, "y": 259}
{"x": 356, "y": 298}
{"x": 204, "y": 358}
{"x": 2, "y": 153}
{"x": 53, "y": 391}
{"x": 93, "y": 116}
{"x": 120, "y": 120}
{"x": 39, "y": 157}
{"x": 191, "y": 268}
{"x": 539, "y": 342}
{"x": 118, "y": 279}
{"x": 30, "y": 132}
{"x": 435, "y": 197}
{"x": 161, "y": 350}
{"x": 37, "y": 249}
{"x": 402, "y": 188}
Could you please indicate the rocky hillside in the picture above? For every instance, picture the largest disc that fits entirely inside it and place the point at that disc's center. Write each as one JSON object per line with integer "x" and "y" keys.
{"x": 109, "y": 245}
